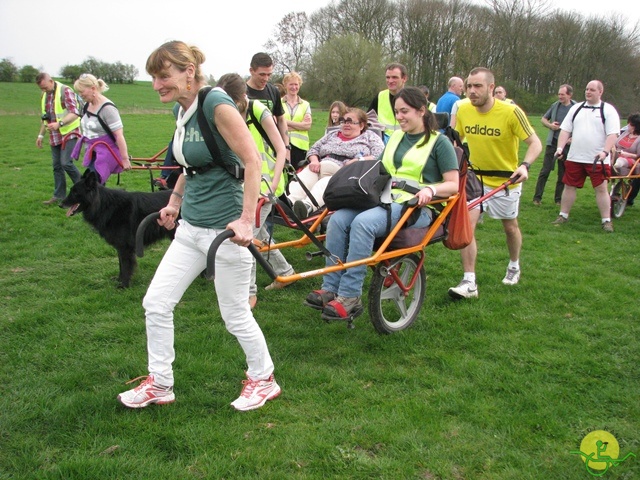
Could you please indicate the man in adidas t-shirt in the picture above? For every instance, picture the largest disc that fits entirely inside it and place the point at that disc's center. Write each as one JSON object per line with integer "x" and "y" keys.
{"x": 593, "y": 126}
{"x": 493, "y": 130}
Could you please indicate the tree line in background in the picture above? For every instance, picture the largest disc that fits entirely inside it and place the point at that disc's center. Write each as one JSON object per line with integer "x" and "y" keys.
{"x": 110, "y": 72}
{"x": 341, "y": 49}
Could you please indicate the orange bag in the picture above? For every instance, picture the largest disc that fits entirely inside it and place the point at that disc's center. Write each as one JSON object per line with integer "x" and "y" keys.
{"x": 460, "y": 233}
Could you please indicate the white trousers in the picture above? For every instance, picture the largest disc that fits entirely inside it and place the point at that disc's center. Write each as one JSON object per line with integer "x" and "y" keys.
{"x": 316, "y": 183}
{"x": 184, "y": 260}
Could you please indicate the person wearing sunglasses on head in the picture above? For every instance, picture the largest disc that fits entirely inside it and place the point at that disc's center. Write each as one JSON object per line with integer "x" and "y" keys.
{"x": 351, "y": 143}
{"x": 211, "y": 196}
{"x": 101, "y": 128}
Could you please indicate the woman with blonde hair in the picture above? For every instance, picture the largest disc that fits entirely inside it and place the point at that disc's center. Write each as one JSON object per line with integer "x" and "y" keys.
{"x": 297, "y": 113}
{"x": 100, "y": 122}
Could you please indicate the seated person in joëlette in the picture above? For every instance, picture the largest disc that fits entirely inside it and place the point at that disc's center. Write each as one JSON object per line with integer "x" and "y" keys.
{"x": 351, "y": 143}
{"x": 417, "y": 154}
{"x": 628, "y": 147}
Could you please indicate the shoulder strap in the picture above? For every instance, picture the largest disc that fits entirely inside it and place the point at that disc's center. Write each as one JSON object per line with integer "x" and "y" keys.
{"x": 575, "y": 114}
{"x": 210, "y": 141}
{"x": 582, "y": 106}
{"x": 103, "y": 124}
{"x": 454, "y": 137}
{"x": 256, "y": 123}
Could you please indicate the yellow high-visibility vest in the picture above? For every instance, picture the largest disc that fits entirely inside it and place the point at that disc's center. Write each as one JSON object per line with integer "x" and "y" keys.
{"x": 299, "y": 138}
{"x": 266, "y": 152}
{"x": 386, "y": 115}
{"x": 412, "y": 164}
{"x": 59, "y": 109}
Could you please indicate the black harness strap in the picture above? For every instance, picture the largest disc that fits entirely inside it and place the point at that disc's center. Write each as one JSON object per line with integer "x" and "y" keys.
{"x": 235, "y": 170}
{"x": 292, "y": 171}
{"x": 494, "y": 173}
{"x": 589, "y": 107}
{"x": 103, "y": 124}
{"x": 273, "y": 199}
{"x": 256, "y": 123}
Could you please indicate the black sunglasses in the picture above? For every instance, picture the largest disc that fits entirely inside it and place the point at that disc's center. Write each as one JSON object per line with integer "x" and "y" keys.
{"x": 348, "y": 121}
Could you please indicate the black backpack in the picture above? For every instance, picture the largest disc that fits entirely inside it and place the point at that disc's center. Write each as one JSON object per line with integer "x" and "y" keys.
{"x": 473, "y": 185}
{"x": 357, "y": 185}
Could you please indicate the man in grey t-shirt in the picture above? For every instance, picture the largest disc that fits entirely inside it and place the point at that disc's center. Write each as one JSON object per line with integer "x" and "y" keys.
{"x": 552, "y": 119}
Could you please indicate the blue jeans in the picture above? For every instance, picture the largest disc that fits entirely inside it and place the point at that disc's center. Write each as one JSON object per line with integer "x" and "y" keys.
{"x": 350, "y": 236}
{"x": 62, "y": 162}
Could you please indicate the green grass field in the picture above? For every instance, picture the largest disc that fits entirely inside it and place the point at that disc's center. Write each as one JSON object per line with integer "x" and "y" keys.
{"x": 504, "y": 387}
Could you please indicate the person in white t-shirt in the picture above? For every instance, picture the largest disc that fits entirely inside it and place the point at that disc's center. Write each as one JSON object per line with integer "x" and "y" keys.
{"x": 593, "y": 126}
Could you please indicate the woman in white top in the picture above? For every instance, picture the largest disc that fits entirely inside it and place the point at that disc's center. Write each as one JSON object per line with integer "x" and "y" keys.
{"x": 100, "y": 122}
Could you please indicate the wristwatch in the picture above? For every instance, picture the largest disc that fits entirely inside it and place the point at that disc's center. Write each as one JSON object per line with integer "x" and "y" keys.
{"x": 61, "y": 123}
{"x": 527, "y": 165}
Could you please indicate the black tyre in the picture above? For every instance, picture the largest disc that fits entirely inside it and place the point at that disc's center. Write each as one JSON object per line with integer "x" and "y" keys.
{"x": 391, "y": 309}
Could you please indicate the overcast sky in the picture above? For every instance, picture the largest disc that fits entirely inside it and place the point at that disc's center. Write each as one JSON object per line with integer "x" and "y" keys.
{"x": 49, "y": 35}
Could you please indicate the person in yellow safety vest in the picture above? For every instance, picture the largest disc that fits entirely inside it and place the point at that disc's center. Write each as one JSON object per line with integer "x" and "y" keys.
{"x": 267, "y": 138}
{"x": 396, "y": 77}
{"x": 501, "y": 94}
{"x": 60, "y": 116}
{"x": 418, "y": 154}
{"x": 430, "y": 105}
{"x": 297, "y": 113}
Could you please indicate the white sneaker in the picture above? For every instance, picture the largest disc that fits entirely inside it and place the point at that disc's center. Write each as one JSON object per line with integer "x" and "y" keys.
{"x": 255, "y": 393}
{"x": 512, "y": 277}
{"x": 465, "y": 289}
{"x": 146, "y": 393}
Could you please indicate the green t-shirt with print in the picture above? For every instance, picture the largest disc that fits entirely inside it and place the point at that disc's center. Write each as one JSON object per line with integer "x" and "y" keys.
{"x": 212, "y": 199}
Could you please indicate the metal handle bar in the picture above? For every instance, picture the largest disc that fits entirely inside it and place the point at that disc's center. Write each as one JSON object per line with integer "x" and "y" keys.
{"x": 144, "y": 224}
{"x": 478, "y": 201}
{"x": 213, "y": 248}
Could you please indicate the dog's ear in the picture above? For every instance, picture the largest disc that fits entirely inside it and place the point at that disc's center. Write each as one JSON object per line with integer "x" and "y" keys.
{"x": 90, "y": 177}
